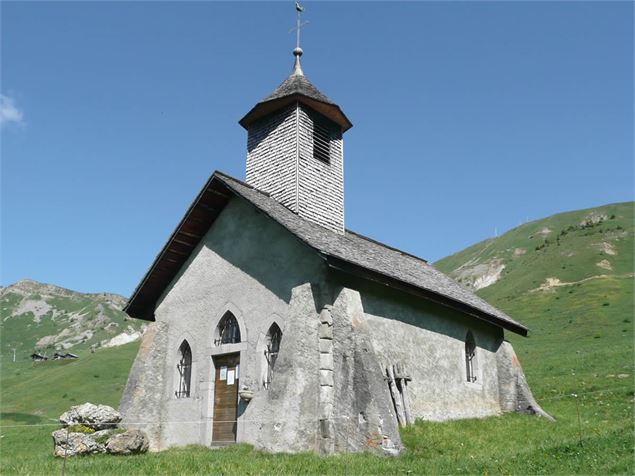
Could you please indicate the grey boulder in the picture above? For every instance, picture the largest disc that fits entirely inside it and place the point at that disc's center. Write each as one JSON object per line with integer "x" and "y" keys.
{"x": 97, "y": 417}
{"x": 130, "y": 442}
{"x": 72, "y": 444}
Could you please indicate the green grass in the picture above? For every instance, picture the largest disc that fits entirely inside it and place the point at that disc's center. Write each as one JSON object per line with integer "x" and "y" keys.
{"x": 581, "y": 343}
{"x": 46, "y": 389}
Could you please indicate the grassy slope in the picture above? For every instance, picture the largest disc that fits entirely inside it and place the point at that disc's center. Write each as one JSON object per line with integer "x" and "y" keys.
{"x": 37, "y": 393}
{"x": 578, "y": 340}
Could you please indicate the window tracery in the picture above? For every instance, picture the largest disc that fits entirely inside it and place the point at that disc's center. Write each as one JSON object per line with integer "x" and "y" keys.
{"x": 274, "y": 336}
{"x": 228, "y": 331}
{"x": 184, "y": 369}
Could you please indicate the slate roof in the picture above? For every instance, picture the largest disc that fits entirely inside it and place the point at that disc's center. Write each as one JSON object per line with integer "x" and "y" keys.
{"x": 297, "y": 87}
{"x": 298, "y": 84}
{"x": 349, "y": 252}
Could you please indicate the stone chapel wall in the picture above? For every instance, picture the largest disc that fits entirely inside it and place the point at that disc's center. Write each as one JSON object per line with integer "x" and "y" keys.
{"x": 231, "y": 271}
{"x": 428, "y": 341}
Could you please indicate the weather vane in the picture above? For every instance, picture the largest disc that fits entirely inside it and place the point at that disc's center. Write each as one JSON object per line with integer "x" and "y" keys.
{"x": 299, "y": 24}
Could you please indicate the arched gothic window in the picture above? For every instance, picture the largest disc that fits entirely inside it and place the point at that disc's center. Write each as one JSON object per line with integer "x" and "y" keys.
{"x": 228, "y": 331}
{"x": 184, "y": 369}
{"x": 274, "y": 336}
{"x": 470, "y": 357}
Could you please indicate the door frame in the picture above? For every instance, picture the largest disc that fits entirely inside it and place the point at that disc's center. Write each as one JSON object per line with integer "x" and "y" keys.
{"x": 220, "y": 352}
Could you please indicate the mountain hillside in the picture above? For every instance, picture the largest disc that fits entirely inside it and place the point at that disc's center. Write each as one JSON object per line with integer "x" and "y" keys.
{"x": 569, "y": 278}
{"x": 561, "y": 250}
{"x": 47, "y": 318}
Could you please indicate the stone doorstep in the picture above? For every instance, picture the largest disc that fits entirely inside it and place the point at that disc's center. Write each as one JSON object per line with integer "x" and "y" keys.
{"x": 217, "y": 445}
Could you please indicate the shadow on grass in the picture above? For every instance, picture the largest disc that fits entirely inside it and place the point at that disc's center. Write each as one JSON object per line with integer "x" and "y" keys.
{"x": 26, "y": 418}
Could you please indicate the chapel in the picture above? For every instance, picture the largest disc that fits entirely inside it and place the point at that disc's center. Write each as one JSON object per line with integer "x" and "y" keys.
{"x": 275, "y": 325}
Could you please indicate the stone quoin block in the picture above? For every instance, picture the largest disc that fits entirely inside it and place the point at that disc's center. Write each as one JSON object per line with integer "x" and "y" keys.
{"x": 326, "y": 362}
{"x": 326, "y": 428}
{"x": 326, "y": 346}
{"x": 326, "y": 316}
{"x": 326, "y": 377}
{"x": 326, "y": 331}
{"x": 326, "y": 394}
{"x": 326, "y": 410}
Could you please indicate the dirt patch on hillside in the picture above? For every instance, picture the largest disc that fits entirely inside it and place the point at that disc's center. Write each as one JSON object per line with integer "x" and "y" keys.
{"x": 480, "y": 275}
{"x": 607, "y": 248}
{"x": 551, "y": 283}
{"x": 605, "y": 264}
{"x": 593, "y": 218}
{"x": 38, "y": 307}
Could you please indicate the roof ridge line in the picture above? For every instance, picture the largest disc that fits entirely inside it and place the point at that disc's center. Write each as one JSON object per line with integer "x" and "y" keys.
{"x": 405, "y": 253}
{"x": 245, "y": 184}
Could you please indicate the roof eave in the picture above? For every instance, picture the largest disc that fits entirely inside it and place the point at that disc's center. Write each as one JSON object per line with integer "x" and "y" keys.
{"x": 140, "y": 305}
{"x": 364, "y": 273}
{"x": 331, "y": 111}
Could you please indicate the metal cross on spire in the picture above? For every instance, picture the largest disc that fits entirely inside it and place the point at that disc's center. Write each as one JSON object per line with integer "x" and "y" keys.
{"x": 299, "y": 24}
{"x": 297, "y": 52}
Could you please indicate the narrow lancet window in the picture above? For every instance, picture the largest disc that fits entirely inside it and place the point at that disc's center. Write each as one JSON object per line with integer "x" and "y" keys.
{"x": 470, "y": 357}
{"x": 274, "y": 336}
{"x": 184, "y": 369}
{"x": 228, "y": 331}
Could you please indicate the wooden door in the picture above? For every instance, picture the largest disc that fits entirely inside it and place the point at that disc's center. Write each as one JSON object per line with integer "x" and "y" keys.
{"x": 226, "y": 369}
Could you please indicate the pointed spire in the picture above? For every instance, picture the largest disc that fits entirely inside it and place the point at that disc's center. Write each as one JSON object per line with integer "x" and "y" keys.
{"x": 297, "y": 88}
{"x": 297, "y": 52}
{"x": 297, "y": 67}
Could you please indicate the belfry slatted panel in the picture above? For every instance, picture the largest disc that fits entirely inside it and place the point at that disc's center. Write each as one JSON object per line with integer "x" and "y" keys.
{"x": 321, "y": 139}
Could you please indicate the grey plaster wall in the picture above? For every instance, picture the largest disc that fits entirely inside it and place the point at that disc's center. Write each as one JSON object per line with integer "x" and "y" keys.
{"x": 284, "y": 417}
{"x": 251, "y": 266}
{"x": 515, "y": 393}
{"x": 363, "y": 417}
{"x": 142, "y": 400}
{"x": 428, "y": 340}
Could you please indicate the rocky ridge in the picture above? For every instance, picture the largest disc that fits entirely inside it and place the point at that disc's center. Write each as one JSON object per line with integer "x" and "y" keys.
{"x": 47, "y": 318}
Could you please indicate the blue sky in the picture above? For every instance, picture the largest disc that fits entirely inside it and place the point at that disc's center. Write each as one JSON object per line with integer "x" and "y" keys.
{"x": 468, "y": 118}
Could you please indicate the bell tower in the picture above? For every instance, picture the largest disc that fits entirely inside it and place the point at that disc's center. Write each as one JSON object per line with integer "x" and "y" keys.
{"x": 295, "y": 151}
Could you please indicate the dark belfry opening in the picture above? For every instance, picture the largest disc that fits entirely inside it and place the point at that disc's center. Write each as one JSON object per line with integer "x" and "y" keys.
{"x": 274, "y": 336}
{"x": 324, "y": 131}
{"x": 228, "y": 331}
{"x": 184, "y": 369}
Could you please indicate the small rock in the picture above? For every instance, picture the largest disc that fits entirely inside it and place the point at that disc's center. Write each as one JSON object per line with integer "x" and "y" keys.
{"x": 130, "y": 442}
{"x": 72, "y": 444}
{"x": 98, "y": 417}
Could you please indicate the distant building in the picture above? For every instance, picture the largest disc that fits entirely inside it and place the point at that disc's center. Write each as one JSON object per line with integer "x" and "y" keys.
{"x": 68, "y": 355}
{"x": 37, "y": 357}
{"x": 275, "y": 325}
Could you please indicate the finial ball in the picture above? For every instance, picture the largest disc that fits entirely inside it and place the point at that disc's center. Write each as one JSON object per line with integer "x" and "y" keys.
{"x": 297, "y": 51}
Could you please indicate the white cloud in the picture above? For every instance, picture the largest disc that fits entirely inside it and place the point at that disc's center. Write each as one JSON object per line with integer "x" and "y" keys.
{"x": 9, "y": 112}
